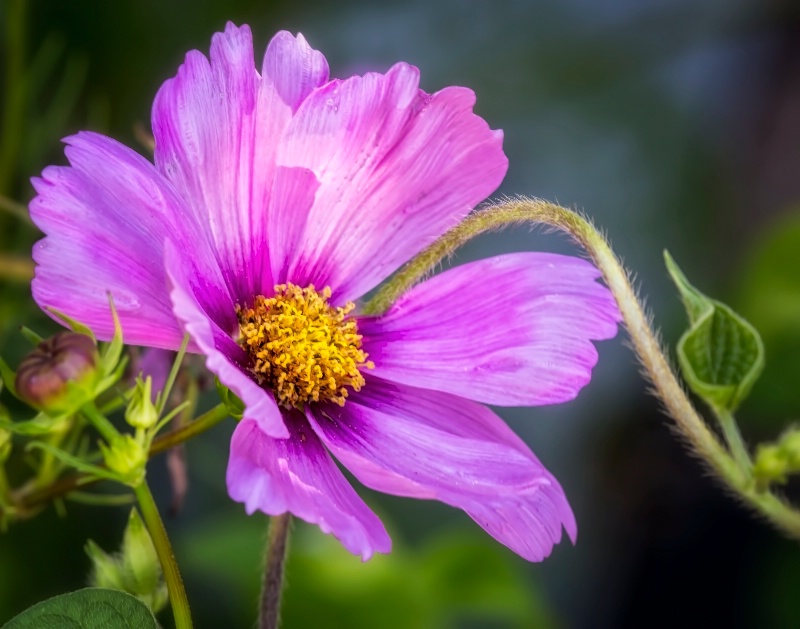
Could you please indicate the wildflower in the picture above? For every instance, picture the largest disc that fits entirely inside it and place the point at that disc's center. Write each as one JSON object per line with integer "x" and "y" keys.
{"x": 279, "y": 198}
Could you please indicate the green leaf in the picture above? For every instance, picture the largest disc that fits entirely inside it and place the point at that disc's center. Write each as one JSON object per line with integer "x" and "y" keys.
{"x": 32, "y": 337}
{"x": 7, "y": 375}
{"x": 91, "y": 608}
{"x": 71, "y": 323}
{"x": 721, "y": 355}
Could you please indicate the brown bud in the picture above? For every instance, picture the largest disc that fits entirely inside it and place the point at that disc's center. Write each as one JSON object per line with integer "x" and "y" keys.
{"x": 44, "y": 375}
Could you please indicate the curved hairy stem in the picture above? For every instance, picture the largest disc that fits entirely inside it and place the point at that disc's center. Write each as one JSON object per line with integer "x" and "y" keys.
{"x": 646, "y": 345}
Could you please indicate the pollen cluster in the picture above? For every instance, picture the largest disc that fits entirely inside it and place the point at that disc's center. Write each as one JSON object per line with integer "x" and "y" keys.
{"x": 303, "y": 348}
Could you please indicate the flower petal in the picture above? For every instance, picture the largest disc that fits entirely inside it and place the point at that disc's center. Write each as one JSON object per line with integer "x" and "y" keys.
{"x": 426, "y": 444}
{"x": 297, "y": 475}
{"x": 216, "y": 126}
{"x": 205, "y": 318}
{"x": 513, "y": 330}
{"x": 397, "y": 167}
{"x": 105, "y": 218}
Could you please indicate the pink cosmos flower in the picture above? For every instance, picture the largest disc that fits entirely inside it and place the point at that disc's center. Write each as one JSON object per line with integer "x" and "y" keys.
{"x": 277, "y": 199}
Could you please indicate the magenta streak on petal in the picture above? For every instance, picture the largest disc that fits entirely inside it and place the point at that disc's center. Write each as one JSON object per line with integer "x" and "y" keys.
{"x": 105, "y": 218}
{"x": 511, "y": 330}
{"x": 426, "y": 444}
{"x": 297, "y": 475}
{"x": 396, "y": 168}
{"x": 223, "y": 356}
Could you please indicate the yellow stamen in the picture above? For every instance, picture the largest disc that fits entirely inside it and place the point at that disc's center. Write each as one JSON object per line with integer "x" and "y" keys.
{"x": 303, "y": 348}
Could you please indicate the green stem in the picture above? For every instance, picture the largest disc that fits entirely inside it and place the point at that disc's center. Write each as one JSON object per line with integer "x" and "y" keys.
{"x": 274, "y": 564}
{"x": 644, "y": 340}
{"x": 184, "y": 433}
{"x": 17, "y": 210}
{"x": 29, "y": 501}
{"x": 177, "y": 593}
{"x": 173, "y": 373}
{"x": 100, "y": 422}
{"x": 733, "y": 438}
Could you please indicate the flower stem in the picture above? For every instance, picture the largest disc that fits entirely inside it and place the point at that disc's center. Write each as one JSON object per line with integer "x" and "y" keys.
{"x": 645, "y": 342}
{"x": 177, "y": 593}
{"x": 274, "y": 562}
{"x": 100, "y": 422}
{"x": 28, "y": 502}
{"x": 733, "y": 438}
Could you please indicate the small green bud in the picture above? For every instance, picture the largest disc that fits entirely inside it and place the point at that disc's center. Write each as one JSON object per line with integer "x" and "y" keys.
{"x": 5, "y": 444}
{"x": 127, "y": 457}
{"x": 106, "y": 571}
{"x": 135, "y": 569}
{"x": 141, "y": 412}
{"x": 59, "y": 375}
{"x": 770, "y": 465}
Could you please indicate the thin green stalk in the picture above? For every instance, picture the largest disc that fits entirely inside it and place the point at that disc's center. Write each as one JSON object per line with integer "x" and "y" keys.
{"x": 274, "y": 564}
{"x": 29, "y": 500}
{"x": 733, "y": 438}
{"x": 100, "y": 422}
{"x": 173, "y": 373}
{"x": 17, "y": 210}
{"x": 184, "y": 433}
{"x": 644, "y": 340}
{"x": 172, "y": 576}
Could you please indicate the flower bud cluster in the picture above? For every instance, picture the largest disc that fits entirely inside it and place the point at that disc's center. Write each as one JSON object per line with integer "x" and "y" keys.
{"x": 776, "y": 461}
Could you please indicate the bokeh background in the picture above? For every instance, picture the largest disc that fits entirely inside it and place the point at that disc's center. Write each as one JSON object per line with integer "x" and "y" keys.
{"x": 674, "y": 124}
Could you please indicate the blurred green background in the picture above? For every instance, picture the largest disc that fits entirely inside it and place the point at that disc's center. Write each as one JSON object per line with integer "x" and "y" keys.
{"x": 674, "y": 124}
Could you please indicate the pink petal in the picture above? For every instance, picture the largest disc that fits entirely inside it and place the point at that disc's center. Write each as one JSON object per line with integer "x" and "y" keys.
{"x": 207, "y": 325}
{"x": 216, "y": 126}
{"x": 297, "y": 475}
{"x": 396, "y": 168}
{"x": 105, "y": 218}
{"x": 513, "y": 330}
{"x": 426, "y": 444}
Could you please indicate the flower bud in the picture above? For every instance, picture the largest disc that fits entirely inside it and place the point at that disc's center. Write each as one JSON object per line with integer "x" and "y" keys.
{"x": 60, "y": 374}
{"x": 141, "y": 412}
{"x": 126, "y": 457}
{"x": 135, "y": 569}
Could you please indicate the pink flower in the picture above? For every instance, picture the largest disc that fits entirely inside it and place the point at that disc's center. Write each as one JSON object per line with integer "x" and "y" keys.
{"x": 276, "y": 199}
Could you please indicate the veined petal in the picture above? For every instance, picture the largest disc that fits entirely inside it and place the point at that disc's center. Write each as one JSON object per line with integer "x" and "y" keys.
{"x": 396, "y": 168}
{"x": 297, "y": 475}
{"x": 206, "y": 319}
{"x": 216, "y": 126}
{"x": 105, "y": 218}
{"x": 426, "y": 444}
{"x": 513, "y": 330}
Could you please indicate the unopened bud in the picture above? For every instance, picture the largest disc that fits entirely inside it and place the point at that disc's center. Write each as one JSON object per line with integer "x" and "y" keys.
{"x": 127, "y": 457}
{"x": 770, "y": 465}
{"x": 141, "y": 412}
{"x": 135, "y": 569}
{"x": 60, "y": 374}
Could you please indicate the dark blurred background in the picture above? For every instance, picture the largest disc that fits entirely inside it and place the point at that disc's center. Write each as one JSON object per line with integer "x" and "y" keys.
{"x": 674, "y": 124}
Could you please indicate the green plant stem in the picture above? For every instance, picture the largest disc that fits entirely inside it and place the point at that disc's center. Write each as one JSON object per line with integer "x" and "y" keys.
{"x": 274, "y": 564}
{"x": 172, "y": 576}
{"x": 28, "y": 503}
{"x": 733, "y": 438}
{"x": 645, "y": 341}
{"x": 100, "y": 422}
{"x": 17, "y": 210}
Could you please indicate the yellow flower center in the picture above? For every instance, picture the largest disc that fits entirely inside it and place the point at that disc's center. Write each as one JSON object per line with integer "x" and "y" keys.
{"x": 303, "y": 348}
